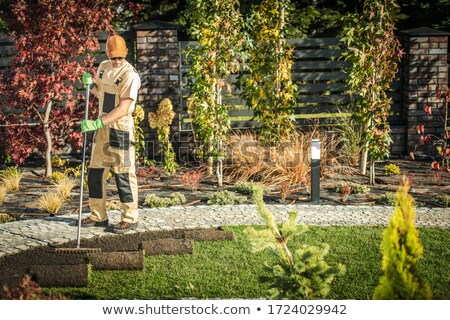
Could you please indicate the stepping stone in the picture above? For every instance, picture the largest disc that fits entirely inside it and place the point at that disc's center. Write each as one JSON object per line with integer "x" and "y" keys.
{"x": 209, "y": 234}
{"x": 124, "y": 260}
{"x": 75, "y": 275}
{"x": 167, "y": 246}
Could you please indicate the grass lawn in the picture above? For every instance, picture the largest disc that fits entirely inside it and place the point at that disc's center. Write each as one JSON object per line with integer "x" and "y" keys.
{"x": 229, "y": 270}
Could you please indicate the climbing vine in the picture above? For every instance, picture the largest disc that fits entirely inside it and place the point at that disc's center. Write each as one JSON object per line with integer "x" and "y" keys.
{"x": 268, "y": 88}
{"x": 217, "y": 27}
{"x": 373, "y": 55}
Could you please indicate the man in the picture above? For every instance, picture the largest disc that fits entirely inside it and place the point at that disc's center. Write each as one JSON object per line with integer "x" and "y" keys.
{"x": 116, "y": 88}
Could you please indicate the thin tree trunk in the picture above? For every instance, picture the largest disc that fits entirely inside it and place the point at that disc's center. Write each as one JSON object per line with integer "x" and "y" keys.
{"x": 372, "y": 172}
{"x": 219, "y": 145}
{"x": 364, "y": 157}
{"x": 209, "y": 159}
{"x": 48, "y": 140}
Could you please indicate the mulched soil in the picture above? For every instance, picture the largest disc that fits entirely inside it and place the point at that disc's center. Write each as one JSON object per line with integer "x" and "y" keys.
{"x": 426, "y": 185}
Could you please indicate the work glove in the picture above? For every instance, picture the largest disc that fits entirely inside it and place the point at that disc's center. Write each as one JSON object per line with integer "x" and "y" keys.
{"x": 91, "y": 125}
{"x": 87, "y": 78}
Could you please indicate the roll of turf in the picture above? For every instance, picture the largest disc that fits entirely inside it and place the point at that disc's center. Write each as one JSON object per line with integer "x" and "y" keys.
{"x": 76, "y": 275}
{"x": 208, "y": 234}
{"x": 167, "y": 246}
{"x": 122, "y": 260}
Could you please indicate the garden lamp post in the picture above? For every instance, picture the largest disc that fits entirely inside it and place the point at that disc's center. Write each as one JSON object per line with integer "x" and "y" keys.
{"x": 315, "y": 170}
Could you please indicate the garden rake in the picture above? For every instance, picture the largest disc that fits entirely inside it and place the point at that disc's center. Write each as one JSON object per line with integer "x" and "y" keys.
{"x": 87, "y": 81}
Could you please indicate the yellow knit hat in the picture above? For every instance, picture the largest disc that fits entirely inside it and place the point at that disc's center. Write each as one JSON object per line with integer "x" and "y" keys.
{"x": 116, "y": 46}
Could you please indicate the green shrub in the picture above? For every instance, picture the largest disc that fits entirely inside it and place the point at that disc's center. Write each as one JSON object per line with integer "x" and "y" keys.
{"x": 391, "y": 169}
{"x": 225, "y": 197}
{"x": 302, "y": 274}
{"x": 402, "y": 250}
{"x": 58, "y": 176}
{"x": 388, "y": 198}
{"x": 246, "y": 187}
{"x": 444, "y": 200}
{"x": 354, "y": 187}
{"x": 153, "y": 201}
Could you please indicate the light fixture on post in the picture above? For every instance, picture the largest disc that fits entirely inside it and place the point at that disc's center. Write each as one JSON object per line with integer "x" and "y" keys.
{"x": 315, "y": 170}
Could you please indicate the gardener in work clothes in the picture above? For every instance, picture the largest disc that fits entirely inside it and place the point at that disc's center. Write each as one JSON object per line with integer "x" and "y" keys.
{"x": 116, "y": 88}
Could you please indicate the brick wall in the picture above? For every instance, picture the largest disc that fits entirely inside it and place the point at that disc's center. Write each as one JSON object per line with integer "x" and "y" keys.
{"x": 157, "y": 63}
{"x": 424, "y": 68}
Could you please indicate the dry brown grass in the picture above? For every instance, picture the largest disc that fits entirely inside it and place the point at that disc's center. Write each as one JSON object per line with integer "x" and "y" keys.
{"x": 65, "y": 186}
{"x": 51, "y": 202}
{"x": 11, "y": 178}
{"x": 285, "y": 162}
{"x": 3, "y": 192}
{"x": 113, "y": 204}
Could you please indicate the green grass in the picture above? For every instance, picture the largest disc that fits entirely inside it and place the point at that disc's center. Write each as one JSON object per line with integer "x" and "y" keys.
{"x": 228, "y": 269}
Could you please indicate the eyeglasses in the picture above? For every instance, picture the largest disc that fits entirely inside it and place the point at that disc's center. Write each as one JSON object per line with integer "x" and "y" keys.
{"x": 117, "y": 59}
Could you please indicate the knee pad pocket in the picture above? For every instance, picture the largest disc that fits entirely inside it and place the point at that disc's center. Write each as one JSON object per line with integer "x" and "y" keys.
{"x": 124, "y": 187}
{"x": 95, "y": 182}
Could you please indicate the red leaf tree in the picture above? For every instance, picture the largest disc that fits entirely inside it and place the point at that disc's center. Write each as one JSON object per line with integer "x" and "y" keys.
{"x": 54, "y": 40}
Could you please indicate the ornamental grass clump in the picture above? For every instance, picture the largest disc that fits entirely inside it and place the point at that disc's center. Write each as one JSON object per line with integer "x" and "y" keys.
{"x": 402, "y": 250}
{"x": 299, "y": 274}
{"x": 3, "y": 193}
{"x": 4, "y": 218}
{"x": 10, "y": 178}
{"x": 65, "y": 186}
{"x": 161, "y": 120}
{"x": 51, "y": 202}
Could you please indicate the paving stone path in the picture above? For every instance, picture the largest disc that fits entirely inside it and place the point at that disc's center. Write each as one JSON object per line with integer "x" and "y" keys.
{"x": 25, "y": 234}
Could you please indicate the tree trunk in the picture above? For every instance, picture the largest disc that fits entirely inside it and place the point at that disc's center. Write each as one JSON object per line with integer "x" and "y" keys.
{"x": 209, "y": 159}
{"x": 220, "y": 166}
{"x": 219, "y": 169}
{"x": 48, "y": 140}
{"x": 372, "y": 172}
{"x": 364, "y": 157}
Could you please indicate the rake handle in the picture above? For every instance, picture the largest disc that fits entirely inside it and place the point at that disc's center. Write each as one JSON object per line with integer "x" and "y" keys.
{"x": 80, "y": 208}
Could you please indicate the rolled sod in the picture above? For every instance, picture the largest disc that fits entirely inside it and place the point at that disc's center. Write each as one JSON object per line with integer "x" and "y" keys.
{"x": 123, "y": 260}
{"x": 76, "y": 275}
{"x": 167, "y": 246}
{"x": 208, "y": 234}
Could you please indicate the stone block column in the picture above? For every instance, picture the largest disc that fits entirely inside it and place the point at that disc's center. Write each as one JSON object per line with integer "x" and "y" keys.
{"x": 425, "y": 68}
{"x": 157, "y": 61}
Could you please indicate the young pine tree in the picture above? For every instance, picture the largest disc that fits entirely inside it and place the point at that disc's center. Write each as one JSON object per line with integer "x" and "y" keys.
{"x": 302, "y": 274}
{"x": 401, "y": 252}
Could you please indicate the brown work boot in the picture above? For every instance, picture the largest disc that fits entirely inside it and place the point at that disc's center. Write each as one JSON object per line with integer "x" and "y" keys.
{"x": 88, "y": 222}
{"x": 123, "y": 227}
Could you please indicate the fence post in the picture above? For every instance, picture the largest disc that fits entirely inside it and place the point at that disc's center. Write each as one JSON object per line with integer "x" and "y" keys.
{"x": 157, "y": 61}
{"x": 425, "y": 67}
